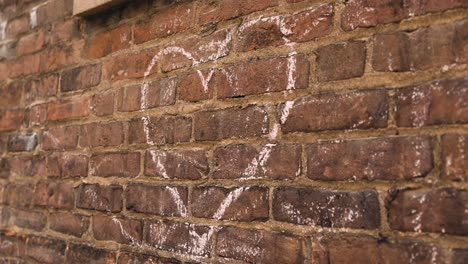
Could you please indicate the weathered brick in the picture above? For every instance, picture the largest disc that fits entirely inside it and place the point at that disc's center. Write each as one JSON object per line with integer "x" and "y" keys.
{"x": 5, "y": 168}
{"x": 8, "y": 50}
{"x": 362, "y": 13}
{"x": 17, "y": 26}
{"x": 272, "y": 75}
{"x": 383, "y": 158}
{"x": 37, "y": 115}
{"x": 30, "y": 43}
{"x": 67, "y": 165}
{"x": 41, "y": 88}
{"x": 106, "y": 198}
{"x": 78, "y": 254}
{"x": 18, "y": 195}
{"x": 25, "y": 65}
{"x": 441, "y": 102}
{"x": 270, "y": 161}
{"x": 69, "y": 109}
{"x": 195, "y": 50}
{"x": 60, "y": 138}
{"x": 280, "y": 30}
{"x": 12, "y": 244}
{"x": 215, "y": 11}
{"x": 102, "y": 134}
{"x": 454, "y": 165}
{"x": 18, "y": 143}
{"x": 53, "y": 10}
{"x": 356, "y": 110}
{"x": 165, "y": 23}
{"x": 460, "y": 255}
{"x": 236, "y": 122}
{"x": 46, "y": 250}
{"x": 131, "y": 66}
{"x": 391, "y": 52}
{"x": 341, "y": 61}
{"x": 429, "y": 210}
{"x": 177, "y": 164}
{"x": 56, "y": 57}
{"x": 28, "y": 219}
{"x": 130, "y": 258}
{"x": 11, "y": 119}
{"x": 28, "y": 166}
{"x": 259, "y": 246}
{"x": 69, "y": 223}
{"x": 115, "y": 164}
{"x": 80, "y": 78}
{"x": 64, "y": 30}
{"x": 198, "y": 85}
{"x": 180, "y": 237}
{"x": 238, "y": 204}
{"x": 157, "y": 93}
{"x": 109, "y": 42}
{"x": 55, "y": 195}
{"x": 11, "y": 94}
{"x": 160, "y": 130}
{"x": 460, "y": 42}
{"x": 103, "y": 103}
{"x": 157, "y": 199}
{"x": 4, "y": 218}
{"x": 348, "y": 209}
{"x": 119, "y": 229}
{"x": 349, "y": 249}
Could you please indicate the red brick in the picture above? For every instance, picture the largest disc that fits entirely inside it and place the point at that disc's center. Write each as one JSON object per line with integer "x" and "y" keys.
{"x": 102, "y": 134}
{"x": 17, "y": 26}
{"x": 236, "y": 122}
{"x": 460, "y": 43}
{"x": 454, "y": 165}
{"x": 4, "y": 219}
{"x": 441, "y": 102}
{"x": 12, "y": 244}
{"x": 11, "y": 119}
{"x": 391, "y": 52}
{"x": 68, "y": 223}
{"x": 56, "y": 57}
{"x": 215, "y": 11}
{"x": 161, "y": 130}
{"x": 5, "y": 168}
{"x": 8, "y": 50}
{"x": 11, "y": 94}
{"x": 26, "y": 65}
{"x": 428, "y": 210}
{"x": 341, "y": 61}
{"x": 28, "y": 166}
{"x": 320, "y": 207}
{"x": 272, "y": 75}
{"x": 130, "y": 258}
{"x": 54, "y": 10}
{"x": 55, "y": 195}
{"x": 28, "y": 219}
{"x": 18, "y": 143}
{"x": 4, "y": 71}
{"x": 80, "y": 78}
{"x": 157, "y": 199}
{"x": 69, "y": 109}
{"x": 269, "y": 161}
{"x": 280, "y": 30}
{"x": 259, "y": 246}
{"x": 60, "y": 138}
{"x": 349, "y": 249}
{"x": 158, "y": 93}
{"x": 63, "y": 31}
{"x": 130, "y": 66}
{"x": 107, "y": 198}
{"x": 45, "y": 250}
{"x": 165, "y": 23}
{"x": 79, "y": 254}
{"x": 38, "y": 115}
{"x": 237, "y": 204}
{"x": 109, "y": 42}
{"x": 179, "y": 237}
{"x": 198, "y": 85}
{"x": 384, "y": 158}
{"x": 103, "y": 103}
{"x": 362, "y": 13}
{"x": 115, "y": 164}
{"x": 460, "y": 255}
{"x": 195, "y": 50}
{"x": 41, "y": 88}
{"x": 67, "y": 165}
{"x": 355, "y": 110}
{"x": 176, "y": 164}
{"x": 18, "y": 195}
{"x": 30, "y": 43}
{"x": 119, "y": 229}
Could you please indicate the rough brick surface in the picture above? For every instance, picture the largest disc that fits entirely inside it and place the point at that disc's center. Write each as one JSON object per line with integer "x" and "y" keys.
{"x": 68, "y": 223}
{"x": 175, "y": 164}
{"x": 121, "y": 230}
{"x": 341, "y": 61}
{"x": 160, "y": 130}
{"x": 454, "y": 151}
{"x": 100, "y": 197}
{"x": 117, "y": 164}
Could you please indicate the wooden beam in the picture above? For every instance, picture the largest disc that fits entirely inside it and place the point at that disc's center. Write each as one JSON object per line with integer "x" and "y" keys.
{"x": 90, "y": 7}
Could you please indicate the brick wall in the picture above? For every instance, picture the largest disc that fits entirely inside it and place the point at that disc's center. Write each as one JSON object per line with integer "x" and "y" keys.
{"x": 229, "y": 131}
